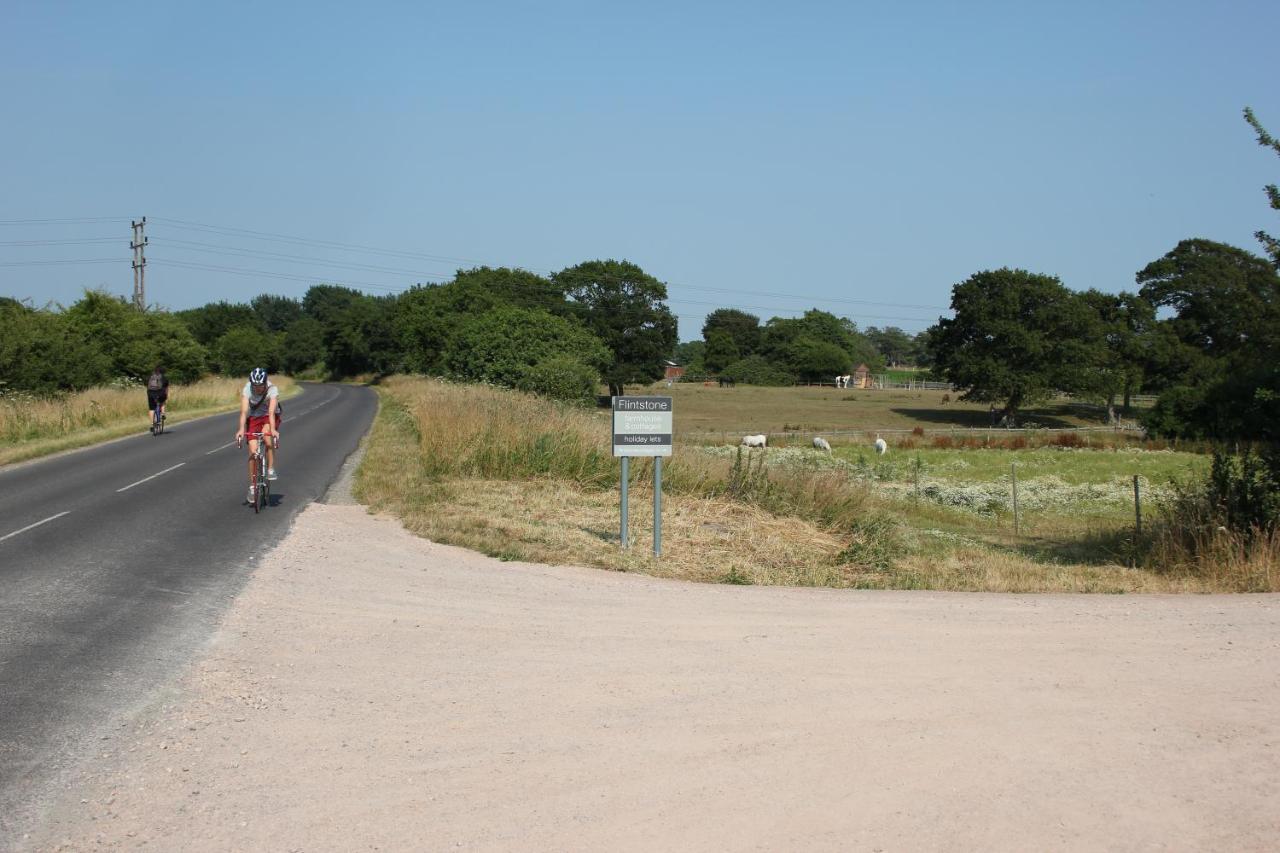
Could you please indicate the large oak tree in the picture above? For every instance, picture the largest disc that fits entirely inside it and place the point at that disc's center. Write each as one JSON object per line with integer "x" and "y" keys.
{"x": 1016, "y": 338}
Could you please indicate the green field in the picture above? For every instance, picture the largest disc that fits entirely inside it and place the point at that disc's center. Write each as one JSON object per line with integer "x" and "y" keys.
{"x": 702, "y": 410}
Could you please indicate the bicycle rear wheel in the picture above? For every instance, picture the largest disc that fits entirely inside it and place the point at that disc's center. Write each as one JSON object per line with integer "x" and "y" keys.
{"x": 264, "y": 488}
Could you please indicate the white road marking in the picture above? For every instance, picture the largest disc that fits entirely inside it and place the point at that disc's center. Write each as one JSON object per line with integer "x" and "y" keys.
{"x": 223, "y": 447}
{"x": 152, "y": 477}
{"x": 32, "y": 526}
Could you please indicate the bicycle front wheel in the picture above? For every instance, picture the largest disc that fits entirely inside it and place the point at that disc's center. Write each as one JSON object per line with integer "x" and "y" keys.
{"x": 256, "y": 479}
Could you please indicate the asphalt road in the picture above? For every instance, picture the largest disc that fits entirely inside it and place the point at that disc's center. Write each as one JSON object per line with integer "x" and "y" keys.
{"x": 116, "y": 563}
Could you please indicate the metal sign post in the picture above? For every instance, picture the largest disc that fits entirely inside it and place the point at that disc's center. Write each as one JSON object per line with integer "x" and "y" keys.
{"x": 623, "y": 536}
{"x": 642, "y": 427}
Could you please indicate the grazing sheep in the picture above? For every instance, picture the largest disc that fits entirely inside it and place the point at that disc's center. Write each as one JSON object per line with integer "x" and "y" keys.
{"x": 882, "y": 447}
{"x": 820, "y": 443}
{"x": 755, "y": 440}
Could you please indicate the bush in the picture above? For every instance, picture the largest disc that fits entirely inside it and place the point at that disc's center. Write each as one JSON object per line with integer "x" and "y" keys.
{"x": 504, "y": 345}
{"x": 1243, "y": 490}
{"x": 757, "y": 370}
{"x": 562, "y": 378}
{"x": 1225, "y": 528}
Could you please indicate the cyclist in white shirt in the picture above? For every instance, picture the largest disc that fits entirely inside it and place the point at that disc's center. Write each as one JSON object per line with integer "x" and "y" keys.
{"x": 259, "y": 412}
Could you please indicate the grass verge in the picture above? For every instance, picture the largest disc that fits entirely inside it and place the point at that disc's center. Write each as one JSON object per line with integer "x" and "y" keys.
{"x": 518, "y": 478}
{"x": 31, "y": 427}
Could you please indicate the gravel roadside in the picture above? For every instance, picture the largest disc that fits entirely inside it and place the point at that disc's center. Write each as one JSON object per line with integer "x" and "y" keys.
{"x": 373, "y": 690}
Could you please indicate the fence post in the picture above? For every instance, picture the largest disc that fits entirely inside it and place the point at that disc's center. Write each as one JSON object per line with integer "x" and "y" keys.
{"x": 1013, "y": 475}
{"x": 1137, "y": 507}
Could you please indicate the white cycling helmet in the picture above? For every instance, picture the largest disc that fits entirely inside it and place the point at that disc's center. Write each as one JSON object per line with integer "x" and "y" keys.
{"x": 257, "y": 376}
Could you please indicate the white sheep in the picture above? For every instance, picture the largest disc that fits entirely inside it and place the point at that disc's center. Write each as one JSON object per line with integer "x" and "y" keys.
{"x": 820, "y": 443}
{"x": 882, "y": 447}
{"x": 755, "y": 440}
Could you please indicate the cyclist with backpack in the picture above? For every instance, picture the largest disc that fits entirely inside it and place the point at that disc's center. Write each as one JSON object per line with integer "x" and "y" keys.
{"x": 259, "y": 413}
{"x": 157, "y": 395}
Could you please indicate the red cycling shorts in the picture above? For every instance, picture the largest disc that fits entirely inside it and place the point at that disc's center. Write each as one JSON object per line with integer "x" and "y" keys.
{"x": 261, "y": 424}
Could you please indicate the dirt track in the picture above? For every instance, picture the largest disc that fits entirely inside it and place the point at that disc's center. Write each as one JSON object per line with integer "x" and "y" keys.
{"x": 373, "y": 690}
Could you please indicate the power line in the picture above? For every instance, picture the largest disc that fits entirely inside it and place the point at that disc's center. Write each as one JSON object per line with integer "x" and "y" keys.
{"x": 83, "y": 220}
{"x": 83, "y": 242}
{"x": 333, "y": 244}
{"x": 270, "y": 237}
{"x": 214, "y": 249}
{"x": 55, "y": 263}
{"x": 433, "y": 278}
{"x": 279, "y": 275}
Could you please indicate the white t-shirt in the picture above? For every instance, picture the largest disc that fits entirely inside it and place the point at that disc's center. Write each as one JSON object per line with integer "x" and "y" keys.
{"x": 259, "y": 407}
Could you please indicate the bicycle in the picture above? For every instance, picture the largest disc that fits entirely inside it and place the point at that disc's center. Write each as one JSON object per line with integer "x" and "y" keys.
{"x": 261, "y": 485}
{"x": 157, "y": 419}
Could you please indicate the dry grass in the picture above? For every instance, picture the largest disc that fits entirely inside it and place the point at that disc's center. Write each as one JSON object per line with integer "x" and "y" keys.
{"x": 518, "y": 478}
{"x": 1225, "y": 560}
{"x": 32, "y": 426}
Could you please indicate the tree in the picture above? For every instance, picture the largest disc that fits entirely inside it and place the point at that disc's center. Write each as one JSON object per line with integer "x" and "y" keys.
{"x": 428, "y": 316}
{"x": 720, "y": 351}
{"x": 625, "y": 308}
{"x": 781, "y": 343}
{"x": 210, "y": 322}
{"x": 39, "y": 353}
{"x": 741, "y": 328}
{"x": 758, "y": 370}
{"x": 1016, "y": 338}
{"x": 135, "y": 341}
{"x": 503, "y": 346}
{"x": 1214, "y": 359}
{"x": 243, "y": 348}
{"x": 1271, "y": 244}
{"x": 816, "y": 361}
{"x": 276, "y": 313}
{"x": 1127, "y": 320}
{"x": 691, "y": 356}
{"x": 893, "y": 344}
{"x": 303, "y": 345}
{"x": 358, "y": 330}
{"x": 360, "y": 338}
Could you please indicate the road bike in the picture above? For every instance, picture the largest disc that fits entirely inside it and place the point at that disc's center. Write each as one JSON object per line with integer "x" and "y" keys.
{"x": 157, "y": 420}
{"x": 258, "y": 473}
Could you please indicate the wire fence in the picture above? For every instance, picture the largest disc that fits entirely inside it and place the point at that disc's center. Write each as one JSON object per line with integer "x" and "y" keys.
{"x": 1124, "y": 427}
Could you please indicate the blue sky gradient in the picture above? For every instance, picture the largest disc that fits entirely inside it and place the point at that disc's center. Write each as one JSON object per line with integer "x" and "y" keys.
{"x": 764, "y": 156}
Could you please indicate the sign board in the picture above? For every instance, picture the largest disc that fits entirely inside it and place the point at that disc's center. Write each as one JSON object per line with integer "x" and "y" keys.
{"x": 641, "y": 426}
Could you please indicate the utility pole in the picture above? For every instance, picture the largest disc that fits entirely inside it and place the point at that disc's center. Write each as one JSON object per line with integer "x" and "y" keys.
{"x": 139, "y": 245}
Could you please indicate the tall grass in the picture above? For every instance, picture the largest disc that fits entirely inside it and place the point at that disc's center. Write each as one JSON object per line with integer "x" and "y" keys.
{"x": 521, "y": 478}
{"x": 1194, "y": 537}
{"x": 491, "y": 433}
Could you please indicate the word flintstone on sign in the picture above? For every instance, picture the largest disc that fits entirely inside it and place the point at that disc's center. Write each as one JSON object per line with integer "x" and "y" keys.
{"x": 644, "y": 405}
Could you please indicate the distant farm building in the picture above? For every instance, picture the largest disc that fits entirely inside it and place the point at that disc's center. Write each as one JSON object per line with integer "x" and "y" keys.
{"x": 861, "y": 377}
{"x": 674, "y": 372}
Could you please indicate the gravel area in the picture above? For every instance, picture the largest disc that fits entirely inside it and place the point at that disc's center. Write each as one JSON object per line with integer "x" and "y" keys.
{"x": 373, "y": 690}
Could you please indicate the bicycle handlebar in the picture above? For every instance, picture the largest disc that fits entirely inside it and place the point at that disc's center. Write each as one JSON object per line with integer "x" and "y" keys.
{"x": 259, "y": 436}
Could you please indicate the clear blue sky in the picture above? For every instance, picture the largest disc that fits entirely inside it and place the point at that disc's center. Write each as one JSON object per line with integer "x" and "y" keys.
{"x": 772, "y": 157}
